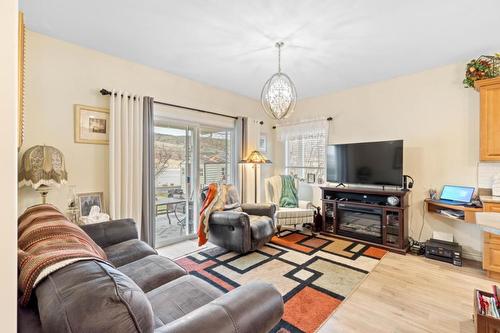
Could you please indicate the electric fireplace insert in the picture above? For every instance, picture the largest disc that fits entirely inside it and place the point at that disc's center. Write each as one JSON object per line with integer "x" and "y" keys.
{"x": 360, "y": 222}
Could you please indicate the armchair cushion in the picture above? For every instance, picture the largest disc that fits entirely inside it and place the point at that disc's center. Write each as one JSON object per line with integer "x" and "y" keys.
{"x": 293, "y": 216}
{"x": 232, "y": 219}
{"x": 268, "y": 209}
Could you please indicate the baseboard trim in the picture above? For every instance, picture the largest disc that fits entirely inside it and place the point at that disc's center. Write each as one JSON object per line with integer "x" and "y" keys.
{"x": 472, "y": 255}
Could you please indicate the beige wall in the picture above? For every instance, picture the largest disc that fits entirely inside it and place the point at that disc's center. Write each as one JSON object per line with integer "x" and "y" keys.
{"x": 437, "y": 118}
{"x": 431, "y": 111}
{"x": 61, "y": 74}
{"x": 8, "y": 167}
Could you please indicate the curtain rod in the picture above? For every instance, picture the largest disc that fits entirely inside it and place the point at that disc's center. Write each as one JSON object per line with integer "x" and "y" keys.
{"x": 107, "y": 92}
{"x": 303, "y": 122}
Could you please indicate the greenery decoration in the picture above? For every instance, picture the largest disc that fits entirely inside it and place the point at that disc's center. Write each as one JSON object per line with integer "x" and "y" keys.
{"x": 484, "y": 67}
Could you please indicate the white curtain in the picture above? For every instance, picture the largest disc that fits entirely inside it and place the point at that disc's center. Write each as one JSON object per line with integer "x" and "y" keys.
{"x": 126, "y": 156}
{"x": 304, "y": 129}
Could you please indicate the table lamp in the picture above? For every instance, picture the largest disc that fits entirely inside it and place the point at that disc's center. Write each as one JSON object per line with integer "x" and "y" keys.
{"x": 255, "y": 158}
{"x": 42, "y": 167}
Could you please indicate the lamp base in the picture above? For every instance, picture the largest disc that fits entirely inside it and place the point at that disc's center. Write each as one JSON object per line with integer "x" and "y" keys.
{"x": 43, "y": 190}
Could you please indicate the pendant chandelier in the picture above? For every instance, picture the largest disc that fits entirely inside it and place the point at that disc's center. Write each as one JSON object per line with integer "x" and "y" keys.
{"x": 278, "y": 95}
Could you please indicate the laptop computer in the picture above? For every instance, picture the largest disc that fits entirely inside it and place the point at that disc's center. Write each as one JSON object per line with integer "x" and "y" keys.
{"x": 456, "y": 195}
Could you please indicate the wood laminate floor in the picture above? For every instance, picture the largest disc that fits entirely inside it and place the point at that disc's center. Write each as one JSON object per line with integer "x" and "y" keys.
{"x": 411, "y": 294}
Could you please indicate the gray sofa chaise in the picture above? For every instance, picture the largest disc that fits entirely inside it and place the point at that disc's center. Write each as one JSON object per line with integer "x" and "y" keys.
{"x": 145, "y": 293}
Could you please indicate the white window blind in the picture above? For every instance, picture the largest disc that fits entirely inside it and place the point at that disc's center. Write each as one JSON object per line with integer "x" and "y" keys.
{"x": 305, "y": 149}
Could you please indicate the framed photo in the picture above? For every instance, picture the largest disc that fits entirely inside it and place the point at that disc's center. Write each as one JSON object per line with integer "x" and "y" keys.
{"x": 91, "y": 125}
{"x": 311, "y": 178}
{"x": 263, "y": 143}
{"x": 87, "y": 200}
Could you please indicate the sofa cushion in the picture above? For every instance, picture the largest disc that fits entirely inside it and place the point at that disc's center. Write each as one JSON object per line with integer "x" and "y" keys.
{"x": 152, "y": 271}
{"x": 111, "y": 232}
{"x": 128, "y": 251}
{"x": 179, "y": 297}
{"x": 90, "y": 296}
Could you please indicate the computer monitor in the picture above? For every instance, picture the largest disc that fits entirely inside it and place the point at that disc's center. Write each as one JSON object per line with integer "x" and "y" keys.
{"x": 457, "y": 193}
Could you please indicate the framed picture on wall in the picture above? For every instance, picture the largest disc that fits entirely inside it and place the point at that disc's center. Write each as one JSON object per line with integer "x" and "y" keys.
{"x": 311, "y": 178}
{"x": 263, "y": 143}
{"x": 91, "y": 124}
{"x": 87, "y": 200}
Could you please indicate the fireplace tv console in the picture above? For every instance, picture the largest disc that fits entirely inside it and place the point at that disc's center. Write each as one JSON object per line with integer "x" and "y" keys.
{"x": 364, "y": 215}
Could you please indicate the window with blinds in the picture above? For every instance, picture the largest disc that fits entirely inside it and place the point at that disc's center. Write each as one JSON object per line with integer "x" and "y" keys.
{"x": 306, "y": 155}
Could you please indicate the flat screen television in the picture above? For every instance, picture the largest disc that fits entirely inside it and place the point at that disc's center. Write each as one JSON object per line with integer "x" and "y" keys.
{"x": 374, "y": 163}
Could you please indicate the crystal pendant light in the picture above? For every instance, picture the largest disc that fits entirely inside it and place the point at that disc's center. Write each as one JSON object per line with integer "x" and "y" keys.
{"x": 278, "y": 95}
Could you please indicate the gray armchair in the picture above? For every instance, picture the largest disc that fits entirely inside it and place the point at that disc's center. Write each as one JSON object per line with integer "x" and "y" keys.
{"x": 243, "y": 231}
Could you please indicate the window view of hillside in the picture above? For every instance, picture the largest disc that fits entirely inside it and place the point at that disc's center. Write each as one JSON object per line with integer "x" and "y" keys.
{"x": 173, "y": 179}
{"x": 173, "y": 147}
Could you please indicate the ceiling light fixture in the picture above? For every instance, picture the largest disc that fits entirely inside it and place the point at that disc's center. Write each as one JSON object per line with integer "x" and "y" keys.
{"x": 278, "y": 95}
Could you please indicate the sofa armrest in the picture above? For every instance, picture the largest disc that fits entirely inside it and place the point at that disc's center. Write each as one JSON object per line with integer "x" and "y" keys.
{"x": 268, "y": 209}
{"x": 111, "y": 232}
{"x": 303, "y": 204}
{"x": 229, "y": 219}
{"x": 253, "y": 308}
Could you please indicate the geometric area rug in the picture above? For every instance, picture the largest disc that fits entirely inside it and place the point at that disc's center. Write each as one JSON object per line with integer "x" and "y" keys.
{"x": 313, "y": 274}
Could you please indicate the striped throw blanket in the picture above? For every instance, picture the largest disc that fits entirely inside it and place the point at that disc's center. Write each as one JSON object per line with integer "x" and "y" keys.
{"x": 48, "y": 241}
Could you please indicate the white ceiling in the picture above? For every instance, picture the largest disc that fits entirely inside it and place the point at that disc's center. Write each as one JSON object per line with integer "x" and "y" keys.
{"x": 330, "y": 44}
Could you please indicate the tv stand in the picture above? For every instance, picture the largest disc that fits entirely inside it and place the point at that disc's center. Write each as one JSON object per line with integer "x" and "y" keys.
{"x": 340, "y": 185}
{"x": 365, "y": 216}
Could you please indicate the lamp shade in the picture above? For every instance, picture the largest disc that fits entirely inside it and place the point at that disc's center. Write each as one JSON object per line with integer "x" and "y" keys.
{"x": 256, "y": 157}
{"x": 42, "y": 165}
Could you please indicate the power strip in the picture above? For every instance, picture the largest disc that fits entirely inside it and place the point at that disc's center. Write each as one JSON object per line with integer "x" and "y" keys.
{"x": 416, "y": 248}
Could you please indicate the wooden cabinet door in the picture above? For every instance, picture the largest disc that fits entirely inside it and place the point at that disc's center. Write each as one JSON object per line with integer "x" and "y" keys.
{"x": 490, "y": 119}
{"x": 493, "y": 327}
{"x": 392, "y": 228}
{"x": 491, "y": 207}
{"x": 491, "y": 257}
{"x": 491, "y": 238}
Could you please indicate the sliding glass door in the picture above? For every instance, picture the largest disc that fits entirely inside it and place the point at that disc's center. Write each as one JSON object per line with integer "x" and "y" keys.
{"x": 173, "y": 181}
{"x": 180, "y": 150}
{"x": 215, "y": 155}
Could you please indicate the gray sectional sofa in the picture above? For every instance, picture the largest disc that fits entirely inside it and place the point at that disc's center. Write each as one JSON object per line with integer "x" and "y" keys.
{"x": 144, "y": 293}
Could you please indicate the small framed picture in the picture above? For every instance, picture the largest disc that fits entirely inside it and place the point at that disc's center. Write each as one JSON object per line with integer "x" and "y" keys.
{"x": 87, "y": 200}
{"x": 91, "y": 125}
{"x": 263, "y": 143}
{"x": 311, "y": 178}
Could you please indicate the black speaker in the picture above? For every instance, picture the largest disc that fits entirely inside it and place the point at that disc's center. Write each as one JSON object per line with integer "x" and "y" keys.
{"x": 407, "y": 182}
